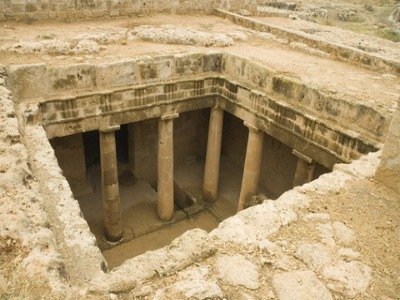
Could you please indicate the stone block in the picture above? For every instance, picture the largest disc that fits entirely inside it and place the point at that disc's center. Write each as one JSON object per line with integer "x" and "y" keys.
{"x": 116, "y": 74}
{"x": 299, "y": 285}
{"x": 18, "y": 7}
{"x": 189, "y": 64}
{"x": 114, "y": 13}
{"x": 87, "y": 14}
{"x": 53, "y": 14}
{"x": 212, "y": 62}
{"x": 9, "y": 16}
{"x": 62, "y": 15}
{"x": 41, "y": 15}
{"x": 27, "y": 81}
{"x": 70, "y": 78}
{"x": 78, "y": 14}
{"x": 98, "y": 13}
{"x": 237, "y": 271}
{"x": 70, "y": 14}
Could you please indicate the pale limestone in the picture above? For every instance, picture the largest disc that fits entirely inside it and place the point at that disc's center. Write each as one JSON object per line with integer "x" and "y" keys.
{"x": 349, "y": 278}
{"x": 299, "y": 285}
{"x": 343, "y": 234}
{"x": 389, "y": 168}
{"x": 192, "y": 246}
{"x": 315, "y": 256}
{"x": 236, "y": 270}
{"x": 170, "y": 34}
{"x": 349, "y": 253}
{"x": 321, "y": 217}
{"x": 193, "y": 284}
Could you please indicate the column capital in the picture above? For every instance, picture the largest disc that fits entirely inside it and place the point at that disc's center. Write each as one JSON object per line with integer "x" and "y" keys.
{"x": 251, "y": 127}
{"x": 109, "y": 128}
{"x": 216, "y": 107}
{"x": 302, "y": 156}
{"x": 169, "y": 117}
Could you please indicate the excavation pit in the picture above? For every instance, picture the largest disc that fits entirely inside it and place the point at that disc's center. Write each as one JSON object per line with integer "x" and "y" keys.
{"x": 136, "y": 152}
{"x": 176, "y": 123}
{"x": 179, "y": 152}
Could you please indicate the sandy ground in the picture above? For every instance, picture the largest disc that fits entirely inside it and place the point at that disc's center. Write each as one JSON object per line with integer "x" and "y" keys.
{"x": 348, "y": 81}
{"x": 373, "y": 212}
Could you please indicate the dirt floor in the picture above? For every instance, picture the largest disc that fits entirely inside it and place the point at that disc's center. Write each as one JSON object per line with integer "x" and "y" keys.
{"x": 143, "y": 231}
{"x": 159, "y": 238}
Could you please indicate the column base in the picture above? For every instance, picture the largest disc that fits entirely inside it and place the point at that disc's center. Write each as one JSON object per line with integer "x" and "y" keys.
{"x": 209, "y": 197}
{"x": 111, "y": 237}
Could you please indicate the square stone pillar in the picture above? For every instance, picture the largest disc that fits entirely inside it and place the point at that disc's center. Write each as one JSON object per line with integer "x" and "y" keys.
{"x": 305, "y": 169}
{"x": 213, "y": 156}
{"x": 110, "y": 187}
{"x": 252, "y": 165}
{"x": 70, "y": 154}
{"x": 165, "y": 174}
{"x": 131, "y": 147}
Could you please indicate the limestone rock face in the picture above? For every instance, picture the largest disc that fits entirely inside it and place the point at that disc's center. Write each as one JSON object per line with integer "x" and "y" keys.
{"x": 299, "y": 285}
{"x": 190, "y": 247}
{"x": 343, "y": 234}
{"x": 236, "y": 270}
{"x": 389, "y": 170}
{"x": 395, "y": 15}
{"x": 348, "y": 278}
{"x": 194, "y": 285}
{"x": 315, "y": 256}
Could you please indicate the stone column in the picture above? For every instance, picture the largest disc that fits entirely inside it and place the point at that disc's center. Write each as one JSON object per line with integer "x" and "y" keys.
{"x": 252, "y": 165}
{"x": 211, "y": 170}
{"x": 165, "y": 174}
{"x": 304, "y": 170}
{"x": 110, "y": 187}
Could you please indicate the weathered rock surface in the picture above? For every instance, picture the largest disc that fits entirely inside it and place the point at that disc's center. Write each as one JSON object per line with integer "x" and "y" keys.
{"x": 194, "y": 285}
{"x": 182, "y": 35}
{"x": 315, "y": 256}
{"x": 348, "y": 278}
{"x": 236, "y": 270}
{"x": 389, "y": 170}
{"x": 343, "y": 234}
{"x": 192, "y": 246}
{"x": 299, "y": 285}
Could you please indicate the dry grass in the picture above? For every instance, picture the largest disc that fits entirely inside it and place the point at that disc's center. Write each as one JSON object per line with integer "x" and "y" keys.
{"x": 14, "y": 283}
{"x": 371, "y": 17}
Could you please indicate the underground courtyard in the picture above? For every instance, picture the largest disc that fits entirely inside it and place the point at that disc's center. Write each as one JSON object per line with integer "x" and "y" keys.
{"x": 199, "y": 150}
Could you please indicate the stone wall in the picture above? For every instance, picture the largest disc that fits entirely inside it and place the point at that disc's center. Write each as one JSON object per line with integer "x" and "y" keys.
{"x": 78, "y": 98}
{"x": 190, "y": 138}
{"x": 20, "y": 10}
{"x": 389, "y": 169}
{"x": 236, "y": 258}
{"x": 19, "y": 190}
{"x": 278, "y": 163}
